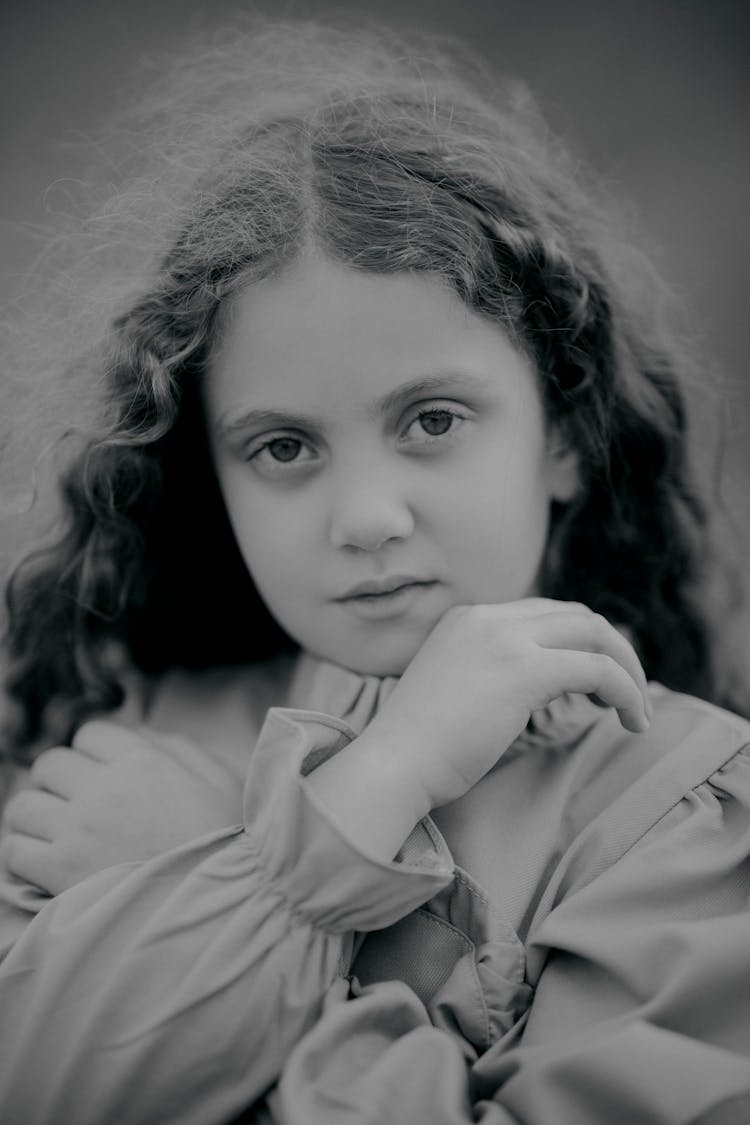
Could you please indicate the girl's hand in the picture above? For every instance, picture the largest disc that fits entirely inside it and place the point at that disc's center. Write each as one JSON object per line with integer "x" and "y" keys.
{"x": 116, "y": 795}
{"x": 470, "y": 690}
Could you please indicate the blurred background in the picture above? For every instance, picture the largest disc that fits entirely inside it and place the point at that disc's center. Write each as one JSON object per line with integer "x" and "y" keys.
{"x": 653, "y": 94}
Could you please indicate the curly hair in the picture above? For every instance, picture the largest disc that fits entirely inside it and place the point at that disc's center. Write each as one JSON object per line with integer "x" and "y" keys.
{"x": 388, "y": 158}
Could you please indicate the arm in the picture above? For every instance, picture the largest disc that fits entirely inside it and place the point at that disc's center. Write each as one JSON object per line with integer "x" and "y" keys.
{"x": 121, "y": 796}
{"x": 253, "y": 915}
{"x": 116, "y": 795}
{"x": 640, "y": 1010}
{"x": 173, "y": 989}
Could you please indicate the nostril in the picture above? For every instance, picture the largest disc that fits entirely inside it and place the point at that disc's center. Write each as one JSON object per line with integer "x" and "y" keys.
{"x": 369, "y": 526}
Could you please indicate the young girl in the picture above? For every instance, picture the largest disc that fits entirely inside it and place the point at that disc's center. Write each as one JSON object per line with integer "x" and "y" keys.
{"x": 349, "y": 799}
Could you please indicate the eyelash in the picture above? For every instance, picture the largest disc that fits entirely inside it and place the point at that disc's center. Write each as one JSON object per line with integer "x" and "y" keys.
{"x": 433, "y": 411}
{"x": 277, "y": 466}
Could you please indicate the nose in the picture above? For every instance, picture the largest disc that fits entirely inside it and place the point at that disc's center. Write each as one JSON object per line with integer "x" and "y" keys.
{"x": 368, "y": 511}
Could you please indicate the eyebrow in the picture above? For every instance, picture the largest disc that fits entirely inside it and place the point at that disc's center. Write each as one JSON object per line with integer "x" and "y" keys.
{"x": 238, "y": 421}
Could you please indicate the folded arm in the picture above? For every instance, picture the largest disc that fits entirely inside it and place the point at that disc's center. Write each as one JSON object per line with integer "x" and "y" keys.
{"x": 173, "y": 989}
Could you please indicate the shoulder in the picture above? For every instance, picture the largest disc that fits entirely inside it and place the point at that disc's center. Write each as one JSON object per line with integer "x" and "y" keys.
{"x": 676, "y": 714}
{"x": 566, "y": 804}
{"x": 678, "y": 783}
{"x": 674, "y": 799}
{"x": 222, "y": 709}
{"x": 689, "y": 741}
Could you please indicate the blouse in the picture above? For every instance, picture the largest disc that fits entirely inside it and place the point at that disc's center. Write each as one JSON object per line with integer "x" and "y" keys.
{"x": 567, "y": 944}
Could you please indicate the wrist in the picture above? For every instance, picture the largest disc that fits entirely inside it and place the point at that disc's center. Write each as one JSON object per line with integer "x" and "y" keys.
{"x": 394, "y": 758}
{"x": 374, "y": 799}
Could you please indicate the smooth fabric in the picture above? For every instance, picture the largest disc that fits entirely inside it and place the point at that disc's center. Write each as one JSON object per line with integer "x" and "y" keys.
{"x": 568, "y": 943}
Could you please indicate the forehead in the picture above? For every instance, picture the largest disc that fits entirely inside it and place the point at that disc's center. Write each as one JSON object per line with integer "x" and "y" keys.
{"x": 324, "y": 328}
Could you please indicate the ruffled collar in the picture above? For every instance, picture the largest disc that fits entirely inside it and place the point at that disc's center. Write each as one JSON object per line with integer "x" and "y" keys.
{"x": 326, "y": 688}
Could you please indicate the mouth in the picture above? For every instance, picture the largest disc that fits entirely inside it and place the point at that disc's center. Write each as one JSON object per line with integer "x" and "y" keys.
{"x": 383, "y": 589}
{"x": 387, "y": 600}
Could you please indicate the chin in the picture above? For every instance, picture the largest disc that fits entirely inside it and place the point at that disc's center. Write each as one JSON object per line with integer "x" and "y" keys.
{"x": 378, "y": 660}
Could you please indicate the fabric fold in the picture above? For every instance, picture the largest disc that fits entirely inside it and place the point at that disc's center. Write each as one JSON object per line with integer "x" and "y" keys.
{"x": 302, "y": 850}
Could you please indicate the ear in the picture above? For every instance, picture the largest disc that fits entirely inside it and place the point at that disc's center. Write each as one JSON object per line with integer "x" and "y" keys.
{"x": 563, "y": 467}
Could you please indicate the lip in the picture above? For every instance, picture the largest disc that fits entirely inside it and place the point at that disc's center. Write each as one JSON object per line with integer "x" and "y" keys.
{"x": 383, "y": 587}
{"x": 386, "y": 601}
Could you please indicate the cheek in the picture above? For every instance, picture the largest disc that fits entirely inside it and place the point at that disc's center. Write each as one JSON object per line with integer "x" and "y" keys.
{"x": 496, "y": 529}
{"x": 498, "y": 496}
{"x": 279, "y": 573}
{"x": 274, "y": 540}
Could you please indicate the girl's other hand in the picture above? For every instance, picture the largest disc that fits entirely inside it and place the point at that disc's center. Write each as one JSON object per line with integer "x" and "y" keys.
{"x": 470, "y": 690}
{"x": 116, "y": 795}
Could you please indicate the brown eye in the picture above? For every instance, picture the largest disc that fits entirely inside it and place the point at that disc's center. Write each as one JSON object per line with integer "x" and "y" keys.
{"x": 436, "y": 422}
{"x": 284, "y": 449}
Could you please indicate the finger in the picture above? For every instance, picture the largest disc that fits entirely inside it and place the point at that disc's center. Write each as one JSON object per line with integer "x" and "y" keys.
{"x": 535, "y": 607}
{"x": 34, "y": 812}
{"x": 594, "y": 673}
{"x": 61, "y": 771}
{"x": 590, "y": 632}
{"x": 30, "y": 860}
{"x": 105, "y": 741}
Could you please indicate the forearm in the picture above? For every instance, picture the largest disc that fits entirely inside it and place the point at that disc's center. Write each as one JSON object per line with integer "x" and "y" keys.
{"x": 370, "y": 794}
{"x": 189, "y": 978}
{"x": 147, "y": 979}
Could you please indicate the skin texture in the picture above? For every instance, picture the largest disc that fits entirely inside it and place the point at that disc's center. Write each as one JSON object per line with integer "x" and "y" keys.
{"x": 369, "y": 490}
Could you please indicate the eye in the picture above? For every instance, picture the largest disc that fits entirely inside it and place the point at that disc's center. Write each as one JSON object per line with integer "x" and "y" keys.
{"x": 433, "y": 423}
{"x": 436, "y": 422}
{"x": 281, "y": 455}
{"x": 284, "y": 448}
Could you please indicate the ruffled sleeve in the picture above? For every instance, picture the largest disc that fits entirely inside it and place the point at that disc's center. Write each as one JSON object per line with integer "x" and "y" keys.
{"x": 173, "y": 990}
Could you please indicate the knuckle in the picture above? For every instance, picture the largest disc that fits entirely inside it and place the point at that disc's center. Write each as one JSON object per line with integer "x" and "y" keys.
{"x": 605, "y": 631}
{"x": 595, "y": 668}
{"x": 458, "y": 613}
{"x": 40, "y": 764}
{"x": 609, "y": 665}
{"x": 583, "y": 608}
{"x": 143, "y": 758}
{"x": 9, "y": 853}
{"x": 68, "y": 868}
{"x": 60, "y": 868}
{"x": 17, "y": 809}
{"x": 90, "y": 729}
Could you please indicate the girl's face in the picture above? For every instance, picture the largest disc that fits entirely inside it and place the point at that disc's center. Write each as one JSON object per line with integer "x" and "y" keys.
{"x": 383, "y": 455}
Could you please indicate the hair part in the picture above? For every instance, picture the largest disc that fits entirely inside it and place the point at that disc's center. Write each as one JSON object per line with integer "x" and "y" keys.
{"x": 387, "y": 159}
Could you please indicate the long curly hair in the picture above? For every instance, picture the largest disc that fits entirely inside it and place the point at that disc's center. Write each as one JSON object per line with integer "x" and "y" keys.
{"x": 388, "y": 157}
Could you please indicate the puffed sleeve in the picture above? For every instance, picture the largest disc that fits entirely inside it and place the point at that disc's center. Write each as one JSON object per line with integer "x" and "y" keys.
{"x": 641, "y": 1010}
{"x": 173, "y": 990}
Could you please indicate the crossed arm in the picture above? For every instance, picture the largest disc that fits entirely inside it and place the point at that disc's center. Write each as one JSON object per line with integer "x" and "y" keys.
{"x": 186, "y": 986}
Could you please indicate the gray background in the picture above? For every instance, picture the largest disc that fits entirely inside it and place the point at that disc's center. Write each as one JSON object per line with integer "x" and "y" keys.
{"x": 653, "y": 95}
